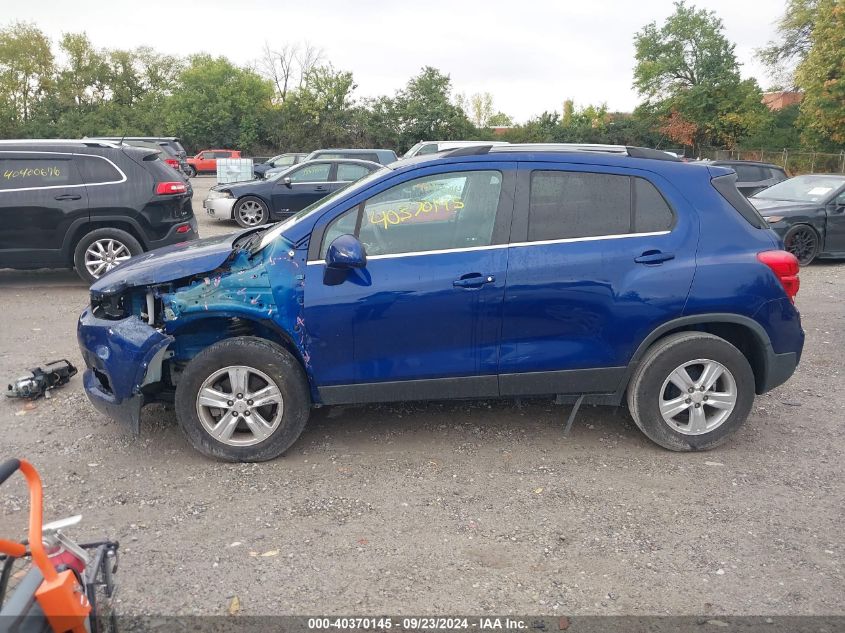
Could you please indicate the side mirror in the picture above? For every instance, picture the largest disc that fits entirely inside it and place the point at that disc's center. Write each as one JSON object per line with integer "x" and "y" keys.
{"x": 346, "y": 252}
{"x": 286, "y": 182}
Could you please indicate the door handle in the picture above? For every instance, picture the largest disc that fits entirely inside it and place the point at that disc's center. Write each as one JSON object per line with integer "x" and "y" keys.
{"x": 473, "y": 280}
{"x": 654, "y": 257}
{"x": 320, "y": 188}
{"x": 69, "y": 196}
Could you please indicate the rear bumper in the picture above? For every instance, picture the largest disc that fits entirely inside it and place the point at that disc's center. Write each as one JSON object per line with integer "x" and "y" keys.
{"x": 174, "y": 237}
{"x": 121, "y": 357}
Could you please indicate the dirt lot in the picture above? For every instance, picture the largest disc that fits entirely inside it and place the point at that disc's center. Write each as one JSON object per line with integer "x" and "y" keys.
{"x": 447, "y": 508}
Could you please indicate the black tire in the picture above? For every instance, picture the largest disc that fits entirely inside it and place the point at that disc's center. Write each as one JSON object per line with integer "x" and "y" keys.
{"x": 258, "y": 354}
{"x": 257, "y": 210}
{"x": 647, "y": 388}
{"x": 81, "y": 260}
{"x": 192, "y": 171}
{"x": 803, "y": 242}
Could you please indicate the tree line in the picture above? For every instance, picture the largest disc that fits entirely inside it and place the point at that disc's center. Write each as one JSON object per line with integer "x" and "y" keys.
{"x": 293, "y": 99}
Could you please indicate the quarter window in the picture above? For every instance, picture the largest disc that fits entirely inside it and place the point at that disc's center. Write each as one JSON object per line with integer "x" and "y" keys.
{"x": 568, "y": 205}
{"x": 312, "y": 173}
{"x": 97, "y": 170}
{"x": 443, "y": 211}
{"x": 25, "y": 173}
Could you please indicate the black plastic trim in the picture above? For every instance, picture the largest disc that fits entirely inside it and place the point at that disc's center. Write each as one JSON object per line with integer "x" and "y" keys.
{"x": 427, "y": 389}
{"x": 568, "y": 381}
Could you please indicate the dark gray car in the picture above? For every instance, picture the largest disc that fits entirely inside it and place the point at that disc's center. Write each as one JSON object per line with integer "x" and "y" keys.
{"x": 808, "y": 212}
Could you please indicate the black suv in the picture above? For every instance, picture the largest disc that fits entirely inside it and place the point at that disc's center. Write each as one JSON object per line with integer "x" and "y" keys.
{"x": 87, "y": 204}
{"x": 752, "y": 176}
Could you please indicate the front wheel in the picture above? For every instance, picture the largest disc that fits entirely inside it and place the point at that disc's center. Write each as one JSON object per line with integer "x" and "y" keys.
{"x": 243, "y": 399}
{"x": 691, "y": 391}
{"x": 803, "y": 242}
{"x": 192, "y": 171}
{"x": 251, "y": 211}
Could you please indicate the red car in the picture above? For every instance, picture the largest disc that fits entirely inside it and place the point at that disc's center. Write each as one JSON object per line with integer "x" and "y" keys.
{"x": 206, "y": 161}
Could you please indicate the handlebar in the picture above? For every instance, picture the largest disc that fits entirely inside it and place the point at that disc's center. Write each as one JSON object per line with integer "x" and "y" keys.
{"x": 36, "y": 546}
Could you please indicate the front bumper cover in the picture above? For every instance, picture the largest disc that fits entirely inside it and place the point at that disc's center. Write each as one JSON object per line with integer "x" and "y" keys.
{"x": 121, "y": 357}
{"x": 220, "y": 208}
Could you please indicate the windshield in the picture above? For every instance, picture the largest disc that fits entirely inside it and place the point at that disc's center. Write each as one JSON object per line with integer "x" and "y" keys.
{"x": 412, "y": 151}
{"x": 273, "y": 232}
{"x": 802, "y": 189}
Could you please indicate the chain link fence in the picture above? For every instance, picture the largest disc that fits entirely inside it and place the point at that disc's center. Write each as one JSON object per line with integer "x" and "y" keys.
{"x": 794, "y": 161}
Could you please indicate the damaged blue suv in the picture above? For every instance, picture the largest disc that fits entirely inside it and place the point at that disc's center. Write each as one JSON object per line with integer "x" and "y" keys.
{"x": 605, "y": 273}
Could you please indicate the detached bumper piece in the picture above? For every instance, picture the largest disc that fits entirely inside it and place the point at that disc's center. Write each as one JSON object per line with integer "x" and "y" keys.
{"x": 121, "y": 357}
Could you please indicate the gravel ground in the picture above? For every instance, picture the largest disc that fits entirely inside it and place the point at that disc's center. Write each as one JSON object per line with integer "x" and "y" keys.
{"x": 446, "y": 508}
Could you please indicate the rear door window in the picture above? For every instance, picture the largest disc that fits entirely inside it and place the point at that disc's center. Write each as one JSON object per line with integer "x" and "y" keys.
{"x": 35, "y": 173}
{"x": 651, "y": 211}
{"x": 565, "y": 205}
{"x": 572, "y": 205}
{"x": 349, "y": 173}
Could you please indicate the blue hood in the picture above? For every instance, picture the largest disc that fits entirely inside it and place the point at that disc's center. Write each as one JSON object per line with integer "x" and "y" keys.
{"x": 167, "y": 264}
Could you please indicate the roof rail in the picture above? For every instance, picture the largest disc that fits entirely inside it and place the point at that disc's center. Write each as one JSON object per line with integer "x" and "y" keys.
{"x": 618, "y": 150}
{"x": 59, "y": 141}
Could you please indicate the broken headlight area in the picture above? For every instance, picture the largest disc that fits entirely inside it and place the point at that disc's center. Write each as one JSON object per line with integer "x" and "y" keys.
{"x": 145, "y": 303}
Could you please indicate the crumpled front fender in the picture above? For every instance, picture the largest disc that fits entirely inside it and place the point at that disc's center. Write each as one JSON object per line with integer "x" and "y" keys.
{"x": 121, "y": 357}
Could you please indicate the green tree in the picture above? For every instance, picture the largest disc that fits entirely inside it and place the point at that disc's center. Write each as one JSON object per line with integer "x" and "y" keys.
{"x": 688, "y": 66}
{"x": 500, "y": 119}
{"x": 481, "y": 108}
{"x": 794, "y": 28}
{"x": 26, "y": 68}
{"x": 822, "y": 76}
{"x": 219, "y": 104}
{"x": 424, "y": 110}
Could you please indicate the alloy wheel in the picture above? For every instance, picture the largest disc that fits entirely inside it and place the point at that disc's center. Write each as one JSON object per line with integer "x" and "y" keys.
{"x": 103, "y": 255}
{"x": 803, "y": 243}
{"x": 239, "y": 405}
{"x": 251, "y": 213}
{"x": 698, "y": 397}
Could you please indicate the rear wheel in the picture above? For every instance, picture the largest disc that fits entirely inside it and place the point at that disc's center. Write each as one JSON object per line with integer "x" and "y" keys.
{"x": 803, "y": 242}
{"x": 242, "y": 399}
{"x": 101, "y": 250}
{"x": 691, "y": 391}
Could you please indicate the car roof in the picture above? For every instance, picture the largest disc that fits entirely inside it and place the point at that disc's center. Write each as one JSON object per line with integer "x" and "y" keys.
{"x": 63, "y": 143}
{"x": 745, "y": 162}
{"x": 550, "y": 152}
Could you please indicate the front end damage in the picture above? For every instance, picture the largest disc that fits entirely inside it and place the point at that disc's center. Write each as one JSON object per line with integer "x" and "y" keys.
{"x": 137, "y": 339}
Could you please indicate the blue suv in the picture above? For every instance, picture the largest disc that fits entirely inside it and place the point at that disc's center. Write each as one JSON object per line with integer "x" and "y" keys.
{"x": 609, "y": 274}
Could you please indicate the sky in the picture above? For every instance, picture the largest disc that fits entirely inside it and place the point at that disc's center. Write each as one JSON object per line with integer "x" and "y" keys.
{"x": 530, "y": 55}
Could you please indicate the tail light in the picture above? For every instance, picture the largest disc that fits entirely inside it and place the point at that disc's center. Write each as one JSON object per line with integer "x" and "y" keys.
{"x": 183, "y": 228}
{"x": 170, "y": 188}
{"x": 172, "y": 162}
{"x": 785, "y": 267}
